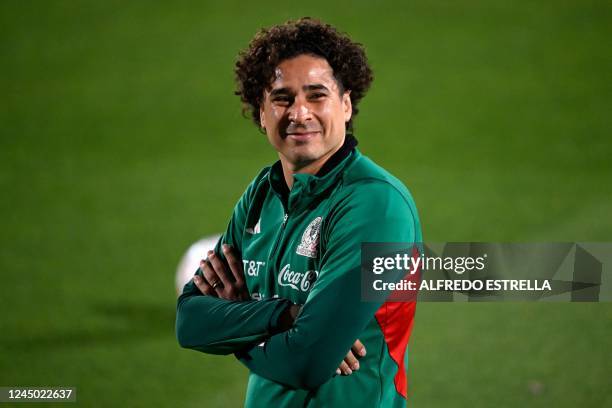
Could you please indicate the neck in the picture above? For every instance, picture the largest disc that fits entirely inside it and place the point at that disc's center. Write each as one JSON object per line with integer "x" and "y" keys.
{"x": 313, "y": 167}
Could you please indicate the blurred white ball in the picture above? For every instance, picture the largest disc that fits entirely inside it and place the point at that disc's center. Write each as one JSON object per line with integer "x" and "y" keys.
{"x": 191, "y": 260}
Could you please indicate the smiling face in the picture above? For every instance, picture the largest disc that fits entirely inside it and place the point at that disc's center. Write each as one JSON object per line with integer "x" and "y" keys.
{"x": 304, "y": 113}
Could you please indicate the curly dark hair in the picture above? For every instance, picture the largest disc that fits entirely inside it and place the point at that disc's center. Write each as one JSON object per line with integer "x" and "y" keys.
{"x": 270, "y": 46}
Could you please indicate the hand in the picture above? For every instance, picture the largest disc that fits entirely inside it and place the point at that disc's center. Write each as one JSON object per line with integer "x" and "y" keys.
{"x": 218, "y": 281}
{"x": 350, "y": 362}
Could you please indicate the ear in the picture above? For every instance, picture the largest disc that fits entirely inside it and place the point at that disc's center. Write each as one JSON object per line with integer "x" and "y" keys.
{"x": 262, "y": 120}
{"x": 347, "y": 106}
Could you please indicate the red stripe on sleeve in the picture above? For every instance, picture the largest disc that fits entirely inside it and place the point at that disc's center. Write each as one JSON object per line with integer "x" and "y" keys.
{"x": 395, "y": 320}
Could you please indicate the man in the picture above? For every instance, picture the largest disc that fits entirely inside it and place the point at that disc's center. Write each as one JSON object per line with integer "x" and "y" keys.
{"x": 282, "y": 288}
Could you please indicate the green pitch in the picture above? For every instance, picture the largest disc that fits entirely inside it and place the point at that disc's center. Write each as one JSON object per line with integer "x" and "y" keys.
{"x": 121, "y": 143}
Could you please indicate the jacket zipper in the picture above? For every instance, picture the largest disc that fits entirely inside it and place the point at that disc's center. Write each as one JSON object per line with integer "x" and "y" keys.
{"x": 279, "y": 238}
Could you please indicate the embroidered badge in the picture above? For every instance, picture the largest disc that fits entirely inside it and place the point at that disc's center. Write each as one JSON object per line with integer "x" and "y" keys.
{"x": 310, "y": 239}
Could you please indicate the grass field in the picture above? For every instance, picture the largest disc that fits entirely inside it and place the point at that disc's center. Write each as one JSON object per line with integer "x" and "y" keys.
{"x": 121, "y": 143}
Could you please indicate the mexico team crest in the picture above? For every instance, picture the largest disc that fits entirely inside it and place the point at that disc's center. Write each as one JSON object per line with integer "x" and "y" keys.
{"x": 310, "y": 239}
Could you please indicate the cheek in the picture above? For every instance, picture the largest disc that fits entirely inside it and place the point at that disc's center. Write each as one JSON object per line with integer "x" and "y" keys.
{"x": 332, "y": 116}
{"x": 273, "y": 116}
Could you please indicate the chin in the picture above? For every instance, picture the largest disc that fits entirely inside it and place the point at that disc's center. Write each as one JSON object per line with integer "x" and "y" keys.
{"x": 304, "y": 155}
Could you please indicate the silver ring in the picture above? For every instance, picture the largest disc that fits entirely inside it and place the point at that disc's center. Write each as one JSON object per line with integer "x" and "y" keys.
{"x": 215, "y": 284}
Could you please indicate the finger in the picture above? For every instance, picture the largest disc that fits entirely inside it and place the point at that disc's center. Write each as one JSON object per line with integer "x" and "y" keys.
{"x": 237, "y": 270}
{"x": 211, "y": 277}
{"x": 358, "y": 348}
{"x": 234, "y": 263}
{"x": 203, "y": 286}
{"x": 345, "y": 369}
{"x": 351, "y": 361}
{"x": 219, "y": 268}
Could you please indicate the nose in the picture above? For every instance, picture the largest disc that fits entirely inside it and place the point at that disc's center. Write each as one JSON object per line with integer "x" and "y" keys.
{"x": 299, "y": 111}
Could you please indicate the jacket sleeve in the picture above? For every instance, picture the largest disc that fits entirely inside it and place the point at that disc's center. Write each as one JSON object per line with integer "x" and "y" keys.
{"x": 219, "y": 326}
{"x": 333, "y": 315}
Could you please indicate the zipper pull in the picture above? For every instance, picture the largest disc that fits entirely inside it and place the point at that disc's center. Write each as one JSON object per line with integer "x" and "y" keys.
{"x": 285, "y": 218}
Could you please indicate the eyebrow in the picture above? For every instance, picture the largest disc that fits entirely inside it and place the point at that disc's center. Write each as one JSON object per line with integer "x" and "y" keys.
{"x": 310, "y": 87}
{"x": 315, "y": 87}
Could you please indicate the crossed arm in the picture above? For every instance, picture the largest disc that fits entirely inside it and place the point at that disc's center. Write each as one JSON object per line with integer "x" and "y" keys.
{"x": 222, "y": 321}
{"x": 215, "y": 315}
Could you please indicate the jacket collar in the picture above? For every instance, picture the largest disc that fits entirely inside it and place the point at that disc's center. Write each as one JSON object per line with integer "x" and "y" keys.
{"x": 306, "y": 187}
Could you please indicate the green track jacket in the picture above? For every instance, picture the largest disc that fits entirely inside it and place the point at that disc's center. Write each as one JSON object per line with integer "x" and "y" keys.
{"x": 303, "y": 246}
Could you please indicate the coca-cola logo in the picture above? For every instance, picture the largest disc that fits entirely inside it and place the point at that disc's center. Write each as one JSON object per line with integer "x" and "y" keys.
{"x": 296, "y": 280}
